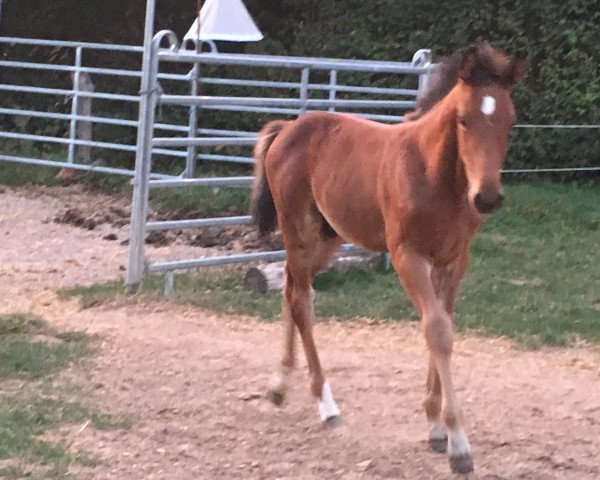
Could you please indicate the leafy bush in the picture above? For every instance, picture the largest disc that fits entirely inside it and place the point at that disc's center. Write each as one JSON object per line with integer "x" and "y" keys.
{"x": 563, "y": 85}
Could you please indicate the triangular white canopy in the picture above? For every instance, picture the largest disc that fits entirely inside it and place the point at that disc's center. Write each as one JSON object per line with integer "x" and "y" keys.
{"x": 226, "y": 20}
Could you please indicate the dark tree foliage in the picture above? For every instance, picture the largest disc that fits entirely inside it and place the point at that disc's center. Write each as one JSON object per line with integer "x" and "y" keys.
{"x": 560, "y": 37}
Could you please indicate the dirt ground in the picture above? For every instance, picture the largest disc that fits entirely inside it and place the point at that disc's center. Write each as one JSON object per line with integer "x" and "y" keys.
{"x": 194, "y": 381}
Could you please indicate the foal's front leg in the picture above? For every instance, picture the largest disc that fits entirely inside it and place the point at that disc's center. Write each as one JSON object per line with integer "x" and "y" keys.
{"x": 415, "y": 274}
{"x": 438, "y": 437}
{"x": 446, "y": 281}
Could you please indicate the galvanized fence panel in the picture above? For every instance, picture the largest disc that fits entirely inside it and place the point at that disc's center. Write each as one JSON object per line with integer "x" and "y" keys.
{"x": 191, "y": 107}
{"x": 33, "y": 96}
{"x": 257, "y": 99}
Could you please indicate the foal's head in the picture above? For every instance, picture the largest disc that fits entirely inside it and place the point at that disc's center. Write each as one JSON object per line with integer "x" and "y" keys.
{"x": 479, "y": 82}
{"x": 485, "y": 115}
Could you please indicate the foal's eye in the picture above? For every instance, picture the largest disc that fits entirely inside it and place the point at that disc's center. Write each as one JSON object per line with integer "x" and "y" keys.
{"x": 462, "y": 122}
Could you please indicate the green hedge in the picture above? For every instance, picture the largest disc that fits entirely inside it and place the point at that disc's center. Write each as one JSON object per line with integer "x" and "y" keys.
{"x": 561, "y": 38}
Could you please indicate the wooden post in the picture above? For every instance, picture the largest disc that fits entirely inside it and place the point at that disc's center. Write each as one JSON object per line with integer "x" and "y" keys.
{"x": 84, "y": 127}
{"x": 84, "y": 109}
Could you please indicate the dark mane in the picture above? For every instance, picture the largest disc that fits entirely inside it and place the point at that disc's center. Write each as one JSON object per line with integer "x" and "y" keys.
{"x": 441, "y": 80}
{"x": 489, "y": 67}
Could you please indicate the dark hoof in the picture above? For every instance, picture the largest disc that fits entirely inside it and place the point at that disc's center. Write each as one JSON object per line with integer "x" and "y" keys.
{"x": 461, "y": 463}
{"x": 439, "y": 445}
{"x": 333, "y": 422}
{"x": 276, "y": 397}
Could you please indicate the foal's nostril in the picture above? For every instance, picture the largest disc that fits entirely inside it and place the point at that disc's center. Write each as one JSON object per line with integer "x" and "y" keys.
{"x": 478, "y": 201}
{"x": 486, "y": 203}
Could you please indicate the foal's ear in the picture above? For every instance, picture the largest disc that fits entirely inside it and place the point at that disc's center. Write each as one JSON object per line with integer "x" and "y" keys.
{"x": 517, "y": 68}
{"x": 467, "y": 62}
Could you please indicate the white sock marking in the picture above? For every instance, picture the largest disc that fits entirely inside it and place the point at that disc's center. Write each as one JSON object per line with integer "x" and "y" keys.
{"x": 488, "y": 105}
{"x": 279, "y": 380}
{"x": 458, "y": 443}
{"x": 438, "y": 431}
{"x": 428, "y": 267}
{"x": 327, "y": 406}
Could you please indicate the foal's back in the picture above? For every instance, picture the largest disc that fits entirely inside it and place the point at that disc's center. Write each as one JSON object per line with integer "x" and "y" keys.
{"x": 335, "y": 163}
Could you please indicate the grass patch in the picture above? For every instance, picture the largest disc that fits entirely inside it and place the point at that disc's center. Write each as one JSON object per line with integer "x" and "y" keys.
{"x": 25, "y": 359}
{"x": 20, "y": 323}
{"x": 104, "y": 182}
{"x": 25, "y": 421}
{"x": 30, "y": 349}
{"x": 201, "y": 201}
{"x": 20, "y": 174}
{"x": 533, "y": 276}
{"x": 197, "y": 201}
{"x": 92, "y": 295}
{"x": 205, "y": 201}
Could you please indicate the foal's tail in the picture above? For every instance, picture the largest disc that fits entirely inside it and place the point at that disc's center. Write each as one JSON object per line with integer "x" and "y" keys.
{"x": 262, "y": 206}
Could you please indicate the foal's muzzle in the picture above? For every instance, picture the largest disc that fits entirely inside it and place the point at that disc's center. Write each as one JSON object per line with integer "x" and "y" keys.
{"x": 488, "y": 200}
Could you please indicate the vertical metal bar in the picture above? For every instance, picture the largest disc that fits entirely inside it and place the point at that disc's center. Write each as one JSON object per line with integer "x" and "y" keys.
{"x": 423, "y": 79}
{"x": 332, "y": 88}
{"x": 74, "y": 105}
{"x": 422, "y": 58}
{"x": 143, "y": 159}
{"x": 190, "y": 162}
{"x": 169, "y": 284}
{"x": 304, "y": 89}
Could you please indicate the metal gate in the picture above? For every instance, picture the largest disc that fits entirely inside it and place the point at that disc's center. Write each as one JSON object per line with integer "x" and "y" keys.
{"x": 319, "y": 83}
{"x": 43, "y": 110}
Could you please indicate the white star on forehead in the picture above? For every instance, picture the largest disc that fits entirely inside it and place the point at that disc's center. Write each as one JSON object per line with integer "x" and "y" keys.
{"x": 488, "y": 105}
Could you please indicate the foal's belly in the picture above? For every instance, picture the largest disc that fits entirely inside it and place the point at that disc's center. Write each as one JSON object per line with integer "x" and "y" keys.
{"x": 357, "y": 228}
{"x": 343, "y": 176}
{"x": 361, "y": 224}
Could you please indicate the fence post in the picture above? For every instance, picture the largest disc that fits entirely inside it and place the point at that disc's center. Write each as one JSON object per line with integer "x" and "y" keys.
{"x": 332, "y": 89}
{"x": 74, "y": 105}
{"x": 190, "y": 162}
{"x": 143, "y": 158}
{"x": 169, "y": 284}
{"x": 84, "y": 127}
{"x": 304, "y": 89}
{"x": 78, "y": 129}
{"x": 422, "y": 58}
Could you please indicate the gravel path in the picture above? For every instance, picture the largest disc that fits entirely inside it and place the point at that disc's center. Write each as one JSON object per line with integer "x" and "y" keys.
{"x": 194, "y": 380}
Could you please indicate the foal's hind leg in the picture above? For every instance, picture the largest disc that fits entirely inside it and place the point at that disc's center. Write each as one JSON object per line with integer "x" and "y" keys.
{"x": 301, "y": 298}
{"x": 278, "y": 389}
{"x": 295, "y": 309}
{"x": 310, "y": 244}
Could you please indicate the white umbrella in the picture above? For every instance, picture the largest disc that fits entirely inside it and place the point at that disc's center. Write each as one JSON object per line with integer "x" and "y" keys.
{"x": 225, "y": 20}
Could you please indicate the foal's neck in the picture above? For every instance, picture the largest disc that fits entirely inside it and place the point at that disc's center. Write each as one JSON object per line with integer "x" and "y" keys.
{"x": 439, "y": 148}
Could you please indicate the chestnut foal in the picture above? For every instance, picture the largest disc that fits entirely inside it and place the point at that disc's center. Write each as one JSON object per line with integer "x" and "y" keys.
{"x": 418, "y": 190}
